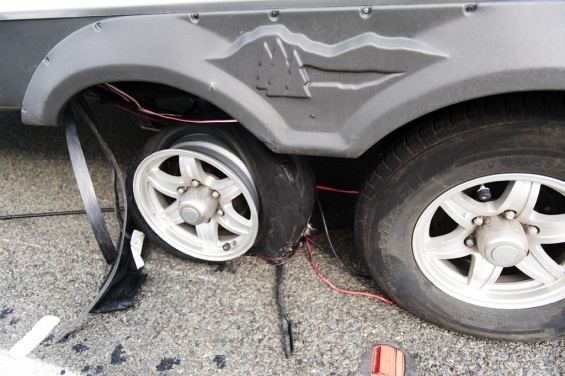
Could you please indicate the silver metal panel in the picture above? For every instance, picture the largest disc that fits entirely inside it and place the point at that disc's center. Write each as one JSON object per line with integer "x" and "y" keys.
{"x": 39, "y": 9}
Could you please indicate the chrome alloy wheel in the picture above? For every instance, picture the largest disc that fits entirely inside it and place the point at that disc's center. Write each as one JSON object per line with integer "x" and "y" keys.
{"x": 200, "y": 198}
{"x": 504, "y": 252}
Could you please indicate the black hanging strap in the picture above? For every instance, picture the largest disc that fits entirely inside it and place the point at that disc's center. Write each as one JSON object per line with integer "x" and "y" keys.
{"x": 86, "y": 188}
{"x": 122, "y": 272}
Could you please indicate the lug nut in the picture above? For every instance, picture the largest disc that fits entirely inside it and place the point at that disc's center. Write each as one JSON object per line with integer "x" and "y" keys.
{"x": 478, "y": 221}
{"x": 220, "y": 212}
{"x": 470, "y": 241}
{"x": 509, "y": 214}
{"x": 215, "y": 194}
{"x": 195, "y": 183}
{"x": 532, "y": 230}
{"x": 181, "y": 190}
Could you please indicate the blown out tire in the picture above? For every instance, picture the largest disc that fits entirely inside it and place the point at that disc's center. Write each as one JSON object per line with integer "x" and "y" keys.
{"x": 416, "y": 219}
{"x": 271, "y": 196}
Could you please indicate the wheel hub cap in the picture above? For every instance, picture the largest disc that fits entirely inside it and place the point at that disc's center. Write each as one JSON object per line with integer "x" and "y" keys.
{"x": 502, "y": 241}
{"x": 197, "y": 205}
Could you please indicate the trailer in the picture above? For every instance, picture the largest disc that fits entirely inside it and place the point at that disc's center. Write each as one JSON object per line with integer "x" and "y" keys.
{"x": 459, "y": 106}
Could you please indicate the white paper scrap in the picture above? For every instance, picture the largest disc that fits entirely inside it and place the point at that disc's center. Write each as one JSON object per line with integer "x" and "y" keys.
{"x": 136, "y": 244}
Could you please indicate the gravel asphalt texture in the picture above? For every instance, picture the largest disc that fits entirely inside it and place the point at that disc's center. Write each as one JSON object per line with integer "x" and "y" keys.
{"x": 191, "y": 318}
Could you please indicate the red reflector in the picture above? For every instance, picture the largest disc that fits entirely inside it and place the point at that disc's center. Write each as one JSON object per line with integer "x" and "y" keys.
{"x": 387, "y": 361}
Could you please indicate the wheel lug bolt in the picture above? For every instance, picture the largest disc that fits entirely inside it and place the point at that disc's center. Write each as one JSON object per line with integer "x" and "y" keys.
{"x": 532, "y": 230}
{"x": 470, "y": 241}
{"x": 215, "y": 194}
{"x": 220, "y": 212}
{"x": 181, "y": 190}
{"x": 509, "y": 214}
{"x": 195, "y": 183}
{"x": 478, "y": 221}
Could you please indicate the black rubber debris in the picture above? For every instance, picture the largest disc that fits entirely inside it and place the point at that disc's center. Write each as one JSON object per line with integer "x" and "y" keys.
{"x": 79, "y": 347}
{"x": 5, "y": 312}
{"x": 118, "y": 355}
{"x": 220, "y": 361}
{"x": 167, "y": 364}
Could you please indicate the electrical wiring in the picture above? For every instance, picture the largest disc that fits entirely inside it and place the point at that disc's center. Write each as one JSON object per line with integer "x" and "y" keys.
{"x": 128, "y": 98}
{"x": 320, "y": 247}
{"x": 327, "y": 282}
{"x": 52, "y": 214}
{"x": 281, "y": 260}
{"x": 286, "y": 322}
{"x": 323, "y": 188}
{"x": 121, "y": 105}
{"x": 321, "y": 235}
{"x": 123, "y": 108}
{"x": 327, "y": 233}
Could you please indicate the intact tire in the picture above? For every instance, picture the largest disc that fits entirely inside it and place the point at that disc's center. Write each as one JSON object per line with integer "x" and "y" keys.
{"x": 500, "y": 276}
{"x": 277, "y": 193}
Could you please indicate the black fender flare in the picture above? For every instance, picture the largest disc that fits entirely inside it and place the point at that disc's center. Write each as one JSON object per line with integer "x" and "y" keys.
{"x": 140, "y": 48}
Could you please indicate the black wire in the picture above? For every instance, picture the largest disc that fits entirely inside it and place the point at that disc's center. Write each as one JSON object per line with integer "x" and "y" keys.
{"x": 52, "y": 214}
{"x": 319, "y": 246}
{"x": 286, "y": 323}
{"x": 351, "y": 270}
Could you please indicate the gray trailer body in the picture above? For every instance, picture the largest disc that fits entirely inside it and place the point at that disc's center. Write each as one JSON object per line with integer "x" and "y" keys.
{"x": 319, "y": 78}
{"x": 461, "y": 216}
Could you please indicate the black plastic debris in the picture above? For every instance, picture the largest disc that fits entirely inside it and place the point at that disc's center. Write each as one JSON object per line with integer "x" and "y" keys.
{"x": 124, "y": 286}
{"x": 123, "y": 280}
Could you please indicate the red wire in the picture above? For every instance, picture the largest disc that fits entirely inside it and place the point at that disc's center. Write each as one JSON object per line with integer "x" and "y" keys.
{"x": 131, "y": 99}
{"x": 284, "y": 258}
{"x": 322, "y": 188}
{"x": 321, "y": 235}
{"x": 135, "y": 113}
{"x": 327, "y": 282}
{"x": 123, "y": 108}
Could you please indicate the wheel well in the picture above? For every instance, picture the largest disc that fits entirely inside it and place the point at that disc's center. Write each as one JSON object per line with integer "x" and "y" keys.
{"x": 157, "y": 104}
{"x": 167, "y": 99}
{"x": 532, "y": 99}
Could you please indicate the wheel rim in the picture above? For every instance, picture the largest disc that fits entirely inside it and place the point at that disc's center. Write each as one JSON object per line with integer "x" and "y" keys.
{"x": 488, "y": 264}
{"x": 199, "y": 198}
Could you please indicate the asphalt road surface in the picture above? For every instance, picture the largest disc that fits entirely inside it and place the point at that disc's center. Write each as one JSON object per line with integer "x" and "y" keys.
{"x": 190, "y": 318}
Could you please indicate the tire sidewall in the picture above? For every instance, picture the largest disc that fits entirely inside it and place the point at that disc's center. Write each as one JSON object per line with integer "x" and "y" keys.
{"x": 519, "y": 148}
{"x": 284, "y": 185}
